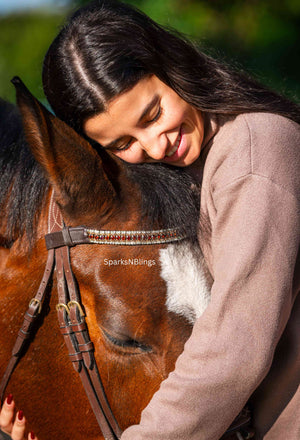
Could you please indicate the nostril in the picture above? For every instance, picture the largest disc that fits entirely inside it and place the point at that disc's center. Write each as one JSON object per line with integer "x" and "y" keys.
{"x": 156, "y": 153}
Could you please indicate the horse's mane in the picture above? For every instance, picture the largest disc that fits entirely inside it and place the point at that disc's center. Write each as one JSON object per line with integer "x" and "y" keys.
{"x": 167, "y": 192}
{"x": 22, "y": 182}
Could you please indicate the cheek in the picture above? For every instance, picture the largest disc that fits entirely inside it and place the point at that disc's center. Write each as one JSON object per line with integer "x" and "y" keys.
{"x": 190, "y": 116}
{"x": 176, "y": 113}
{"x": 184, "y": 115}
{"x": 194, "y": 121}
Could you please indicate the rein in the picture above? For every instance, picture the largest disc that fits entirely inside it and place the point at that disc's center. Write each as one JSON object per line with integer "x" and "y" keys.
{"x": 70, "y": 312}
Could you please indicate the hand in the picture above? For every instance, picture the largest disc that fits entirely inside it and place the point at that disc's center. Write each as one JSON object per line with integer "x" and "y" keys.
{"x": 13, "y": 427}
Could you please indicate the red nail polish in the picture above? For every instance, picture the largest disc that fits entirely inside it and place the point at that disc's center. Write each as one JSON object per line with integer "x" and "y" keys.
{"x": 9, "y": 399}
{"x": 32, "y": 436}
{"x": 20, "y": 415}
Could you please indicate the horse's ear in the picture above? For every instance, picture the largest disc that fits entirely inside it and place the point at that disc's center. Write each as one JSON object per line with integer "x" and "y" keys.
{"x": 74, "y": 169}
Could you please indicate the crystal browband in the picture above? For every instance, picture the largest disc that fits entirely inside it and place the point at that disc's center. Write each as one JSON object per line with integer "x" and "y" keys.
{"x": 135, "y": 237}
{"x": 70, "y": 236}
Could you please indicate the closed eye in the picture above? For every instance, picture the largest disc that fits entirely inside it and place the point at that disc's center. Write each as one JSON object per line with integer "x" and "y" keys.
{"x": 130, "y": 346}
{"x": 117, "y": 145}
{"x": 125, "y": 147}
{"x": 156, "y": 117}
{"x": 150, "y": 121}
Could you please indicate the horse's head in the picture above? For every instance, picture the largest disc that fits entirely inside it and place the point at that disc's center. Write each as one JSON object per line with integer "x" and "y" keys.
{"x": 139, "y": 300}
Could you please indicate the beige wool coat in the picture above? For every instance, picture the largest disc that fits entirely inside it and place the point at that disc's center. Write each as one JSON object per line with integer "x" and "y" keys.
{"x": 246, "y": 345}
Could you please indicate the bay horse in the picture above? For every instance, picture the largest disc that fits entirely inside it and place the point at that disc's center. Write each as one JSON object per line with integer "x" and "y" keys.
{"x": 140, "y": 301}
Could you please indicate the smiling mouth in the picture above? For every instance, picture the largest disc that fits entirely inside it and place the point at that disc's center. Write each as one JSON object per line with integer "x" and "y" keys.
{"x": 176, "y": 145}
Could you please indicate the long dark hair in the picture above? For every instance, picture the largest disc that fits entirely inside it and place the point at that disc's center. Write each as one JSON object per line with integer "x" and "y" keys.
{"x": 108, "y": 46}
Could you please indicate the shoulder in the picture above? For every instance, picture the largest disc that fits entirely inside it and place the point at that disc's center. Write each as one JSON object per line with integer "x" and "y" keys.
{"x": 261, "y": 144}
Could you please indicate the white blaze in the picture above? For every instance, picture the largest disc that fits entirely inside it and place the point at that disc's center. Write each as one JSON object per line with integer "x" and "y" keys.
{"x": 188, "y": 280}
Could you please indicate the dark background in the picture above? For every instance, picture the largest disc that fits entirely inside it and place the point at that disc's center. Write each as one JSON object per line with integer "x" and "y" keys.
{"x": 261, "y": 37}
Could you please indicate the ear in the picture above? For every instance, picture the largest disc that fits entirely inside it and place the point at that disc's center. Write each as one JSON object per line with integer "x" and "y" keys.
{"x": 74, "y": 169}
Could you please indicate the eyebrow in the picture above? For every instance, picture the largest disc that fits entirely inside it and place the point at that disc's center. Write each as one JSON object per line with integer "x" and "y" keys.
{"x": 146, "y": 110}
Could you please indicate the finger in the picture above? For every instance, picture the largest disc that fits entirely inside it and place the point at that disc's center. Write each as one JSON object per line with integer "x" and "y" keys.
{"x": 18, "y": 429}
{"x": 7, "y": 414}
{"x": 32, "y": 436}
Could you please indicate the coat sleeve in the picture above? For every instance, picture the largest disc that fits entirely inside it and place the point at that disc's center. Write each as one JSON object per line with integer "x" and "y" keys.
{"x": 255, "y": 239}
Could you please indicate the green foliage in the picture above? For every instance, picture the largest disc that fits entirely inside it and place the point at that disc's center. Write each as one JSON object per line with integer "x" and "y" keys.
{"x": 24, "y": 40}
{"x": 260, "y": 36}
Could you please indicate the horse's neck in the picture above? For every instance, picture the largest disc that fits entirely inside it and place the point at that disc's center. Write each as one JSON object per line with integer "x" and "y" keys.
{"x": 23, "y": 254}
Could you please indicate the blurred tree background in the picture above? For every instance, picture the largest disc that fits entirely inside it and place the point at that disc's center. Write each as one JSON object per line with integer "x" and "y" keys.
{"x": 260, "y": 36}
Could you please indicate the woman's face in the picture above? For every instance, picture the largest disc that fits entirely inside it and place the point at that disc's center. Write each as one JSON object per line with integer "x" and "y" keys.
{"x": 149, "y": 123}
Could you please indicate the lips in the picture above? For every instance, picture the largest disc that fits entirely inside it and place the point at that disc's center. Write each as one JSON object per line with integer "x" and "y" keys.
{"x": 176, "y": 145}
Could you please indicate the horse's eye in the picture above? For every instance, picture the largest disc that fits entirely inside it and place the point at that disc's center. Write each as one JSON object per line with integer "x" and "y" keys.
{"x": 128, "y": 345}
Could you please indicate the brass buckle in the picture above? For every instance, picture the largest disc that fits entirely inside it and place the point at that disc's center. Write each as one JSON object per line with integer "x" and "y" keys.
{"x": 75, "y": 303}
{"x": 35, "y": 301}
{"x": 62, "y": 306}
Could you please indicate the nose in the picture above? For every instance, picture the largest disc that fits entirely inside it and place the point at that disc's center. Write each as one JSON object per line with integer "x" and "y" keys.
{"x": 155, "y": 145}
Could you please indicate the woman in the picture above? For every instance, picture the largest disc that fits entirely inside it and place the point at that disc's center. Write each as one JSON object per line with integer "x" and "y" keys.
{"x": 148, "y": 95}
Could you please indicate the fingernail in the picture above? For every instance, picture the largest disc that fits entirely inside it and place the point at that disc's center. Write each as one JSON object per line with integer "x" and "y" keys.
{"x": 32, "y": 436}
{"x": 9, "y": 399}
{"x": 20, "y": 415}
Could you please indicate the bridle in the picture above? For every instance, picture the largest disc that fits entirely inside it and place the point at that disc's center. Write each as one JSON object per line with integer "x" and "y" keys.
{"x": 71, "y": 316}
{"x": 70, "y": 311}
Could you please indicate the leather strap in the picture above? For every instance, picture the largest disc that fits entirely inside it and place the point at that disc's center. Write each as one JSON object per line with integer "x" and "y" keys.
{"x": 34, "y": 308}
{"x": 74, "y": 330}
{"x": 75, "y": 333}
{"x": 81, "y": 350}
{"x": 67, "y": 237}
